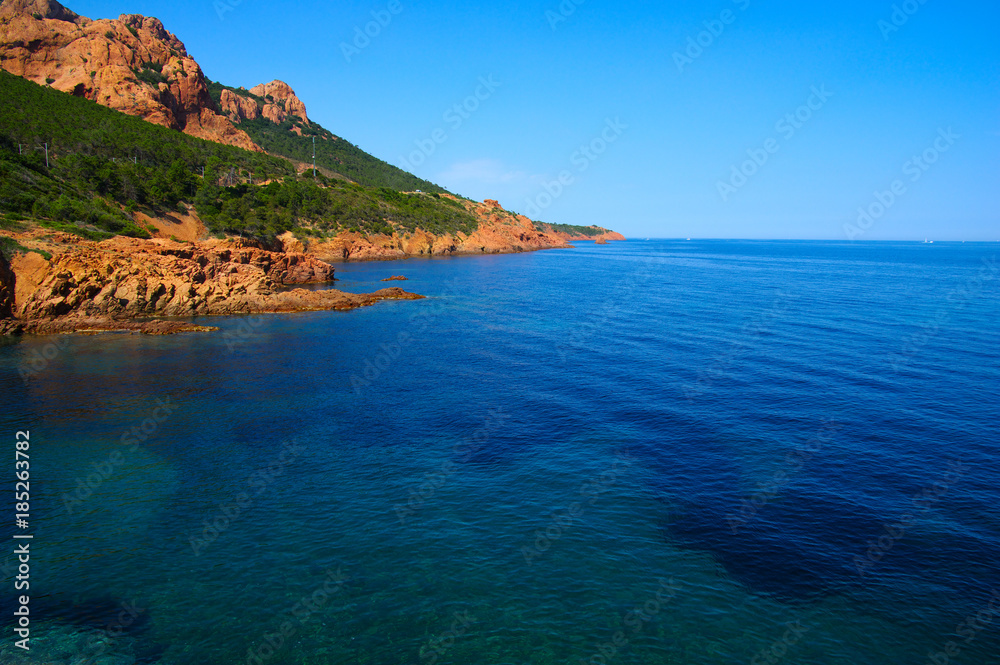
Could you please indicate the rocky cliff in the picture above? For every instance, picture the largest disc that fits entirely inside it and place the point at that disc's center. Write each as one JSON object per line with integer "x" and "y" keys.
{"x": 499, "y": 232}
{"x": 131, "y": 64}
{"x": 275, "y": 101}
{"x": 108, "y": 285}
{"x": 601, "y": 235}
{"x": 282, "y": 102}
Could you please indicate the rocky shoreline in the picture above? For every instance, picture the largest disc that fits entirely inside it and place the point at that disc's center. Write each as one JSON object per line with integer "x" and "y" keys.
{"x": 500, "y": 232}
{"x": 130, "y": 285}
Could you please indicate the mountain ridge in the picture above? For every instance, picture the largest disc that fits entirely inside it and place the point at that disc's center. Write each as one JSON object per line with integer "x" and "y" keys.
{"x": 131, "y": 64}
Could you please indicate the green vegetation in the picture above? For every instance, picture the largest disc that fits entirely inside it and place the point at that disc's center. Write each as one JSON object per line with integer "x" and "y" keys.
{"x": 332, "y": 152}
{"x": 9, "y": 247}
{"x": 324, "y": 205}
{"x": 588, "y": 231}
{"x": 151, "y": 73}
{"x": 104, "y": 165}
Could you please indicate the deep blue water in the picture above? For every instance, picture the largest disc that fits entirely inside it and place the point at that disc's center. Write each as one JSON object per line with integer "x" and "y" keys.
{"x": 720, "y": 449}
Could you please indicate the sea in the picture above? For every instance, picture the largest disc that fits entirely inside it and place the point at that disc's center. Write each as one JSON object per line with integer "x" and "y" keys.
{"x": 649, "y": 452}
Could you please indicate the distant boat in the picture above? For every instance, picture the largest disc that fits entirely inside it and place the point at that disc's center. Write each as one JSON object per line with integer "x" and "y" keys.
{"x": 928, "y": 242}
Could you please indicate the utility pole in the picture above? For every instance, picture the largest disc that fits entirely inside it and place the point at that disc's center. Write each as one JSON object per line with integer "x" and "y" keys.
{"x": 46, "y": 154}
{"x": 314, "y": 156}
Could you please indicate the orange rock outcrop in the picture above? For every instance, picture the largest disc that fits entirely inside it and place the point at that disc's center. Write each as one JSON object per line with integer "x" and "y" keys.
{"x": 237, "y": 107}
{"x": 599, "y": 238}
{"x": 499, "y": 232}
{"x": 103, "y": 60}
{"x": 282, "y": 102}
{"x": 107, "y": 285}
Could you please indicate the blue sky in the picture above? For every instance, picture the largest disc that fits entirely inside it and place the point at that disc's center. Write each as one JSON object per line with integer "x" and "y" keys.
{"x": 691, "y": 145}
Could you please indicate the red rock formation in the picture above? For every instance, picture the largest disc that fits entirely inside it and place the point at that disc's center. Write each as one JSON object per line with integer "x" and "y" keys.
{"x": 282, "y": 103}
{"x": 101, "y": 60}
{"x": 237, "y": 107}
{"x": 604, "y": 235}
{"x": 104, "y": 286}
{"x": 499, "y": 232}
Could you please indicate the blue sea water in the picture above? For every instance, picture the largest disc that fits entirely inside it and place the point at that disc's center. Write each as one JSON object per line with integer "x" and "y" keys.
{"x": 646, "y": 452}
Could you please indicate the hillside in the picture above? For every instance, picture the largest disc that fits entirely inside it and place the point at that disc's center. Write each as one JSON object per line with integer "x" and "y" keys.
{"x": 577, "y": 232}
{"x": 82, "y": 175}
{"x": 274, "y": 117}
{"x": 134, "y": 65}
{"x": 94, "y": 175}
{"x": 104, "y": 165}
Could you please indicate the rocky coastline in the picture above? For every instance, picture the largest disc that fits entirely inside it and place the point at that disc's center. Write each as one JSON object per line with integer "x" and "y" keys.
{"x": 499, "y": 232}
{"x": 131, "y": 285}
{"x": 65, "y": 283}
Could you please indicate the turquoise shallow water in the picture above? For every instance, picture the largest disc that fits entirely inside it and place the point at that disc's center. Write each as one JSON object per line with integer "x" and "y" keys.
{"x": 711, "y": 448}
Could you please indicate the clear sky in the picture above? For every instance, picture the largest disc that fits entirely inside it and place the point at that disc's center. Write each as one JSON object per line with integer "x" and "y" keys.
{"x": 665, "y": 120}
